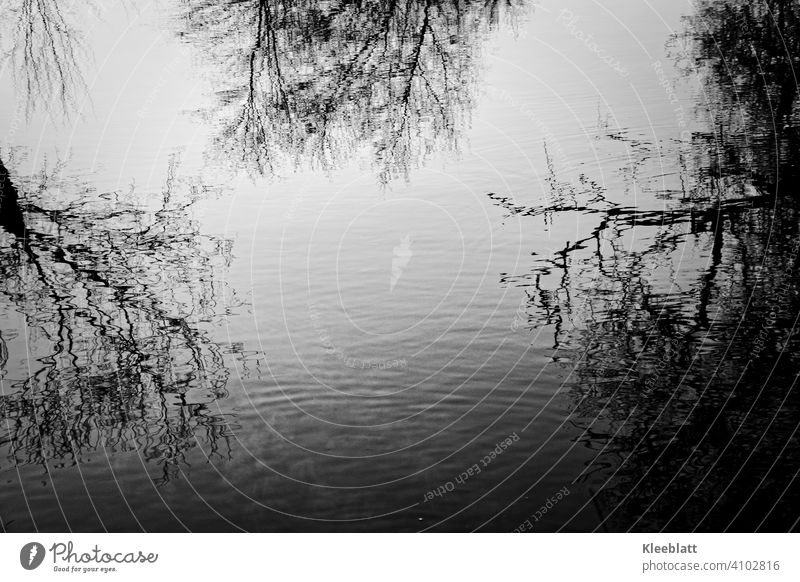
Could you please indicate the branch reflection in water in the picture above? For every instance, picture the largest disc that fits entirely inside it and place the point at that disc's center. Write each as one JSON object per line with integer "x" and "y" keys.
{"x": 115, "y": 292}
{"x": 668, "y": 356}
{"x": 316, "y": 84}
{"x": 116, "y": 301}
{"x": 677, "y": 350}
{"x": 44, "y": 43}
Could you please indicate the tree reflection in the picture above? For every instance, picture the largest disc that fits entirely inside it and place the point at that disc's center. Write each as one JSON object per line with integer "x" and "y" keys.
{"x": 318, "y": 83}
{"x": 746, "y": 54}
{"x": 44, "y": 48}
{"x": 678, "y": 325}
{"x": 117, "y": 301}
{"x": 116, "y": 293}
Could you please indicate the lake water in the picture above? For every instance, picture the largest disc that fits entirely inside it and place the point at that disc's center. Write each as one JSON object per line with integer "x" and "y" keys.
{"x": 445, "y": 266}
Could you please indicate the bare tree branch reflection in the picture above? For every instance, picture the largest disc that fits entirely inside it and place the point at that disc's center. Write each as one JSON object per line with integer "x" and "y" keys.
{"x": 663, "y": 316}
{"x": 117, "y": 300}
{"x": 46, "y": 49}
{"x": 321, "y": 83}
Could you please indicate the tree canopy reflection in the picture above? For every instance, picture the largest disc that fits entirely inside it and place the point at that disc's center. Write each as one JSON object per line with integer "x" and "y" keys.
{"x": 43, "y": 40}
{"x": 116, "y": 291}
{"x": 746, "y": 54}
{"x": 677, "y": 326}
{"x": 117, "y": 301}
{"x": 319, "y": 82}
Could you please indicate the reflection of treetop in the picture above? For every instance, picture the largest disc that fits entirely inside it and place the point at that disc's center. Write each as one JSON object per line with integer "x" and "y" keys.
{"x": 752, "y": 49}
{"x": 118, "y": 303}
{"x": 44, "y": 46}
{"x": 321, "y": 81}
{"x": 746, "y": 54}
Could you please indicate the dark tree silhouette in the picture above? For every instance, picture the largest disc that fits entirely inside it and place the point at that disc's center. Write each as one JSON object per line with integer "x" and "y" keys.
{"x": 746, "y": 54}
{"x": 683, "y": 371}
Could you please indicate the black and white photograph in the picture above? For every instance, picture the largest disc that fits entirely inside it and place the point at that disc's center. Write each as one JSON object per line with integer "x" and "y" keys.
{"x": 382, "y": 267}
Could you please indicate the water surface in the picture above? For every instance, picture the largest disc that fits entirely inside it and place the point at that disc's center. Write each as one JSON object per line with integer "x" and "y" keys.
{"x": 443, "y": 266}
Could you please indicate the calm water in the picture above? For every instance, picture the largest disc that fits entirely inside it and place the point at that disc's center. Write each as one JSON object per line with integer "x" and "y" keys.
{"x": 440, "y": 266}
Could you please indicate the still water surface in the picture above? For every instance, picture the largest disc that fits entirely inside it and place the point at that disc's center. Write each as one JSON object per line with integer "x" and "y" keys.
{"x": 301, "y": 266}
